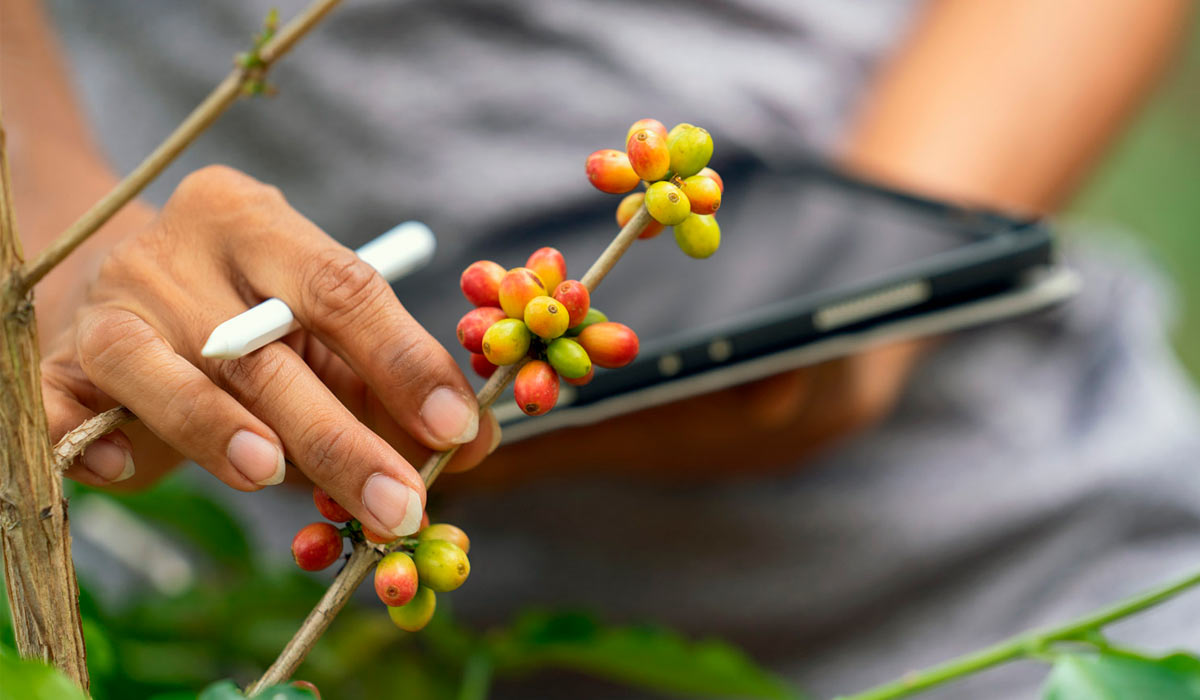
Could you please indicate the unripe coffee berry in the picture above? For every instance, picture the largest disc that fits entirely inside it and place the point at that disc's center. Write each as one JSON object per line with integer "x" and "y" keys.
{"x": 414, "y": 615}
{"x": 575, "y": 298}
{"x": 329, "y": 508}
{"x": 710, "y": 173}
{"x": 568, "y": 358}
{"x": 609, "y": 344}
{"x": 475, "y": 323}
{"x": 519, "y": 285}
{"x": 546, "y": 317}
{"x": 506, "y": 342}
{"x": 609, "y": 171}
{"x": 316, "y": 546}
{"x": 667, "y": 203}
{"x": 480, "y": 283}
{"x": 549, "y": 265}
{"x": 480, "y": 364}
{"x": 536, "y": 387}
{"x": 648, "y": 155}
{"x": 652, "y": 124}
{"x": 699, "y": 236}
{"x": 396, "y": 579}
{"x": 585, "y": 379}
{"x": 593, "y": 315}
{"x": 703, "y": 194}
{"x": 441, "y": 565}
{"x": 691, "y": 149}
{"x": 676, "y": 131}
{"x": 448, "y": 533}
{"x": 628, "y": 207}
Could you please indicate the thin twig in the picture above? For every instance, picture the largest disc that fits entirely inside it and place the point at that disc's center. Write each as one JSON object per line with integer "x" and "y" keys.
{"x": 224, "y": 95}
{"x": 1026, "y": 644}
{"x": 306, "y": 637}
{"x": 75, "y": 442}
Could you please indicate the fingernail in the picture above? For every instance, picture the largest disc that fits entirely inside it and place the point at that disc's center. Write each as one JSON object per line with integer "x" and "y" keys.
{"x": 496, "y": 434}
{"x": 108, "y": 461}
{"x": 392, "y": 503}
{"x": 256, "y": 458}
{"x": 449, "y": 416}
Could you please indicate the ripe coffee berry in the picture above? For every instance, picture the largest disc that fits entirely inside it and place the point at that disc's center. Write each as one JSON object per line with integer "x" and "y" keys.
{"x": 316, "y": 546}
{"x": 699, "y": 236}
{"x": 475, "y": 323}
{"x": 306, "y": 685}
{"x": 546, "y": 317}
{"x": 449, "y": 533}
{"x": 593, "y": 315}
{"x": 536, "y": 387}
{"x": 480, "y": 283}
{"x": 329, "y": 508}
{"x": 609, "y": 344}
{"x": 648, "y": 155}
{"x": 568, "y": 358}
{"x": 441, "y": 565}
{"x": 710, "y": 173}
{"x": 518, "y": 286}
{"x": 506, "y": 342}
{"x": 414, "y": 615}
{"x": 609, "y": 171}
{"x": 549, "y": 265}
{"x": 482, "y": 367}
{"x": 703, "y": 193}
{"x": 667, "y": 203}
{"x": 652, "y": 124}
{"x": 396, "y": 579}
{"x": 575, "y": 298}
{"x": 691, "y": 148}
{"x": 628, "y": 207}
{"x": 591, "y": 374}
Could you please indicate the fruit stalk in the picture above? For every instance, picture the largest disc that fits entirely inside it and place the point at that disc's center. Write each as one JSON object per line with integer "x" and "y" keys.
{"x": 365, "y": 557}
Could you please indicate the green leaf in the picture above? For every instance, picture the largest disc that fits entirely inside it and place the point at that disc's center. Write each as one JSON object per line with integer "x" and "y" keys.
{"x": 34, "y": 680}
{"x": 227, "y": 690}
{"x": 188, "y": 513}
{"x": 645, "y": 656}
{"x": 1119, "y": 675}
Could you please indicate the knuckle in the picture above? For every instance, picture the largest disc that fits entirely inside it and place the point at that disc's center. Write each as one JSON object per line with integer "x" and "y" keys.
{"x": 416, "y": 361}
{"x": 191, "y": 407}
{"x": 106, "y": 338}
{"x": 247, "y": 376}
{"x": 339, "y": 286}
{"x": 327, "y": 444}
{"x": 235, "y": 189}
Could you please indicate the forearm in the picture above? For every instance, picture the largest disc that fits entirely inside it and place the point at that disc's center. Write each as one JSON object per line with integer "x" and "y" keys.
{"x": 1008, "y": 102}
{"x": 58, "y": 170}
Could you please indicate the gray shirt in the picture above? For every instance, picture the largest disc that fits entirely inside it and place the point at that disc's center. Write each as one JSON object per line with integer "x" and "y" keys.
{"x": 1032, "y": 469}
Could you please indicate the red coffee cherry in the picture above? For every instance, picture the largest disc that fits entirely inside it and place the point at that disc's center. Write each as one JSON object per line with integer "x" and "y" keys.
{"x": 628, "y": 207}
{"x": 475, "y": 323}
{"x": 549, "y": 265}
{"x": 710, "y": 173}
{"x": 575, "y": 298}
{"x": 329, "y": 508}
{"x": 609, "y": 171}
{"x": 652, "y": 124}
{"x": 536, "y": 387}
{"x": 648, "y": 155}
{"x": 519, "y": 285}
{"x": 316, "y": 546}
{"x": 482, "y": 367}
{"x": 609, "y": 344}
{"x": 703, "y": 193}
{"x": 396, "y": 579}
{"x": 306, "y": 685}
{"x": 480, "y": 283}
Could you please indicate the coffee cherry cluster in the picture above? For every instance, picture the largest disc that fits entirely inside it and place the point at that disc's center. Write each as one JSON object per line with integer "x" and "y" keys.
{"x": 535, "y": 311}
{"x": 681, "y": 190}
{"x": 411, "y": 574}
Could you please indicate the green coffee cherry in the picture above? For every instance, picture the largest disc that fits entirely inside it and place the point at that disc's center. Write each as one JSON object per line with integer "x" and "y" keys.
{"x": 506, "y": 341}
{"x": 594, "y": 315}
{"x": 441, "y": 565}
{"x": 691, "y": 149}
{"x": 416, "y": 613}
{"x": 698, "y": 236}
{"x": 568, "y": 358}
{"x": 667, "y": 203}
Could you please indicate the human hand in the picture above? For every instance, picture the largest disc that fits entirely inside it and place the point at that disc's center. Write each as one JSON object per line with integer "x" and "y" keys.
{"x": 363, "y": 385}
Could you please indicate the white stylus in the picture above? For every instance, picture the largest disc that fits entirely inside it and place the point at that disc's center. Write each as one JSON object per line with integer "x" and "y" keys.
{"x": 399, "y": 252}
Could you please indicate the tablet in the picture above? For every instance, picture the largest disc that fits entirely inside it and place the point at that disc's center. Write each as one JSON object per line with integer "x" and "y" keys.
{"x": 865, "y": 265}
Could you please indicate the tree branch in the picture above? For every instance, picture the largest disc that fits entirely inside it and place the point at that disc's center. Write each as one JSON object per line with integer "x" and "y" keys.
{"x": 226, "y": 92}
{"x": 75, "y": 442}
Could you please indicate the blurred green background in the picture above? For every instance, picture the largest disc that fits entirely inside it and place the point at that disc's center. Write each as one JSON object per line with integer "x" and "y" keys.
{"x": 1150, "y": 184}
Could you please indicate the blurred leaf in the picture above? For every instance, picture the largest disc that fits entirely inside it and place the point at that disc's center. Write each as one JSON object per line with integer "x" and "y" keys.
{"x": 227, "y": 690}
{"x": 1117, "y": 676}
{"x": 196, "y": 518}
{"x": 646, "y": 656}
{"x": 34, "y": 680}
